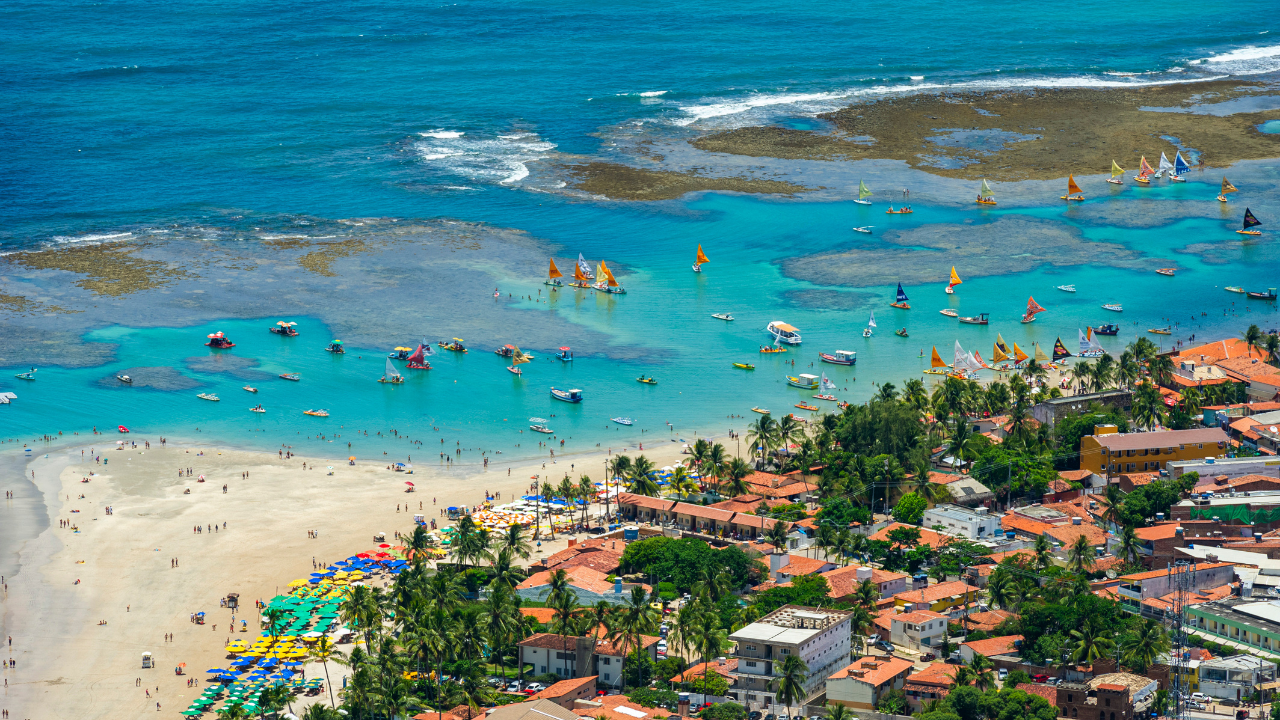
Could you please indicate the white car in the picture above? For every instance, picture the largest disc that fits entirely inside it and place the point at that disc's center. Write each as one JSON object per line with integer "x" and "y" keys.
{"x": 1003, "y": 673}
{"x": 1199, "y": 697}
{"x": 536, "y": 687}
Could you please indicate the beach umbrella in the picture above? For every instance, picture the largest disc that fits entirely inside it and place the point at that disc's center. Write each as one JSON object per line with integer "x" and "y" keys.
{"x": 410, "y": 484}
{"x": 216, "y": 670}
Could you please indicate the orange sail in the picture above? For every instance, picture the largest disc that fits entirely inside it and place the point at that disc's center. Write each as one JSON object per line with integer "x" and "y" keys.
{"x": 577, "y": 274}
{"x": 702, "y": 257}
{"x": 1018, "y": 355}
{"x": 937, "y": 360}
{"x": 1145, "y": 168}
{"x": 1227, "y": 187}
{"x": 608, "y": 275}
{"x": 1033, "y": 307}
{"x": 554, "y": 271}
{"x": 1072, "y": 187}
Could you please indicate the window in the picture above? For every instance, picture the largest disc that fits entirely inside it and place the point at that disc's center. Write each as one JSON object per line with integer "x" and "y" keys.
{"x": 751, "y": 647}
{"x": 751, "y": 697}
{"x": 606, "y": 661}
{"x": 1108, "y": 702}
{"x": 786, "y": 651}
{"x": 606, "y": 677}
{"x": 544, "y": 669}
{"x": 751, "y": 663}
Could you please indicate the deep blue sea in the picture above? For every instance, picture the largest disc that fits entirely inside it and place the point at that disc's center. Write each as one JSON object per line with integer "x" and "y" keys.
{"x": 123, "y": 115}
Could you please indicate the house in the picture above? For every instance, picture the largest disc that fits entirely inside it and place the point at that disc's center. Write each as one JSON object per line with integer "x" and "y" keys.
{"x": 1264, "y": 388}
{"x": 862, "y": 684}
{"x": 577, "y": 657}
{"x": 1241, "y": 369}
{"x": 931, "y": 683}
{"x": 1052, "y": 410}
{"x": 609, "y": 658}
{"x": 536, "y": 710}
{"x": 986, "y": 621}
{"x": 1231, "y": 678}
{"x": 1110, "y": 453}
{"x": 927, "y": 536}
{"x": 566, "y": 692}
{"x": 843, "y": 582}
{"x": 784, "y": 566}
{"x": 1129, "y": 482}
{"x": 590, "y": 585}
{"x": 918, "y": 630}
{"x": 1004, "y": 645}
{"x": 819, "y": 637}
{"x": 1066, "y": 535}
{"x": 723, "y": 667}
{"x": 1229, "y": 467}
{"x": 1123, "y": 695}
{"x": 939, "y": 597}
{"x": 1137, "y": 587}
{"x": 975, "y": 524}
{"x": 747, "y": 503}
{"x": 616, "y": 707}
{"x": 1244, "y": 483}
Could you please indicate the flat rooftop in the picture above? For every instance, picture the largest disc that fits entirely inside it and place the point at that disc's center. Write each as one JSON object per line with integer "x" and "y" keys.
{"x": 791, "y": 625}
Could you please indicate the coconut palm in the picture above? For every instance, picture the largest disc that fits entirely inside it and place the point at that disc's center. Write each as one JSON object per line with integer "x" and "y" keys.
{"x": 514, "y": 540}
{"x": 999, "y": 588}
{"x": 632, "y": 619}
{"x": 915, "y": 395}
{"x": 1041, "y": 549}
{"x": 1104, "y": 372}
{"x": 788, "y": 431}
{"x": 505, "y": 572}
{"x": 1253, "y": 336}
{"x": 839, "y": 712}
{"x": 791, "y": 676}
{"x": 564, "y": 621}
{"x": 586, "y": 492}
{"x": 1128, "y": 545}
{"x": 640, "y": 476}
{"x": 762, "y": 434}
{"x": 735, "y": 477}
{"x": 681, "y": 482}
{"x": 713, "y": 466}
{"x": 1148, "y": 406}
{"x": 1142, "y": 648}
{"x": 1082, "y": 375}
{"x": 1272, "y": 345}
{"x": 1091, "y": 643}
{"x": 1080, "y": 554}
{"x": 983, "y": 677}
{"x": 1161, "y": 369}
{"x": 958, "y": 446}
{"x": 322, "y": 652}
{"x": 698, "y": 453}
{"x": 1127, "y": 370}
{"x": 776, "y": 535}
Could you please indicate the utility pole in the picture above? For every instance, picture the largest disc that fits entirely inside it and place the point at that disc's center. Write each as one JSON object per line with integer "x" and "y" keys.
{"x": 1183, "y": 576}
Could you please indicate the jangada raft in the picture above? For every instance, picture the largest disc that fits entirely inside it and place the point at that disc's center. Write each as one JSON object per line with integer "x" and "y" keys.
{"x": 218, "y": 341}
{"x": 284, "y": 328}
{"x": 1250, "y": 222}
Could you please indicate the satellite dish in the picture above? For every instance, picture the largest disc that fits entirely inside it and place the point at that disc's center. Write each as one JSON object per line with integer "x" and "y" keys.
{"x": 1273, "y": 428}
{"x": 1111, "y": 574}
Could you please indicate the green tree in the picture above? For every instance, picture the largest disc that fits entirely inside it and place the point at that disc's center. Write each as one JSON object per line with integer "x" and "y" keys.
{"x": 1141, "y": 648}
{"x": 790, "y": 683}
{"x": 910, "y": 509}
{"x": 893, "y": 702}
{"x": 1080, "y": 554}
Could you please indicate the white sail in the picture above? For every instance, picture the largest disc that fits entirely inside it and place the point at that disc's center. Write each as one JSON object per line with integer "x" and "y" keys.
{"x": 961, "y": 358}
{"x": 426, "y": 347}
{"x": 827, "y": 384}
{"x": 1164, "y": 163}
{"x": 872, "y": 321}
{"x": 1084, "y": 341}
{"x": 1093, "y": 341}
{"x": 392, "y": 372}
{"x": 986, "y": 189}
{"x": 584, "y": 265}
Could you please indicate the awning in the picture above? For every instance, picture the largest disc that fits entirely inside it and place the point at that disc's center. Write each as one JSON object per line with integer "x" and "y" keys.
{"x": 1268, "y": 686}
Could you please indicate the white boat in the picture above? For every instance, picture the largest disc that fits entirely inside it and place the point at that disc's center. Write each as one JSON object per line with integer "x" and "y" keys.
{"x": 208, "y": 396}
{"x": 783, "y": 332}
{"x": 258, "y": 409}
{"x": 1114, "y": 307}
{"x": 5, "y": 397}
{"x": 29, "y": 375}
{"x": 864, "y": 192}
{"x": 1067, "y": 288}
{"x": 871, "y": 322}
{"x": 805, "y": 380}
{"x": 125, "y": 379}
{"x": 622, "y": 420}
{"x": 542, "y": 429}
{"x": 723, "y": 316}
{"x": 949, "y": 312}
{"x": 865, "y": 228}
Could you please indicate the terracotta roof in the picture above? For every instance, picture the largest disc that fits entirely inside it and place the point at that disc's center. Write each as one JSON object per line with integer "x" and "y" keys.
{"x": 1176, "y": 570}
{"x": 1072, "y": 509}
{"x": 1001, "y": 556}
{"x": 1270, "y": 380}
{"x": 581, "y": 577}
{"x": 1016, "y": 522}
{"x": 788, "y": 490}
{"x": 1067, "y": 534}
{"x": 1160, "y": 531}
{"x": 801, "y": 565}
{"x": 987, "y": 621}
{"x": 927, "y": 536}
{"x": 542, "y": 615}
{"x": 605, "y": 647}
{"x": 695, "y": 672}
{"x": 609, "y": 708}
{"x": 876, "y": 671}
{"x": 918, "y": 617}
{"x": 703, "y": 511}
{"x": 883, "y": 620}
{"x": 1237, "y": 481}
{"x": 1112, "y": 688}
{"x": 936, "y": 675}
{"x": 1057, "y": 485}
{"x": 941, "y": 478}
{"x": 1219, "y": 350}
{"x": 1107, "y": 593}
{"x": 1048, "y": 692}
{"x": 564, "y": 687}
{"x": 1074, "y": 475}
{"x": 756, "y": 521}
{"x": 602, "y": 560}
{"x": 1028, "y": 423}
{"x": 937, "y": 592}
{"x": 1243, "y": 424}
{"x": 762, "y": 479}
{"x": 546, "y": 640}
{"x": 645, "y": 501}
{"x": 1106, "y": 562}
{"x": 1140, "y": 479}
{"x": 994, "y": 646}
{"x": 1246, "y": 367}
{"x": 844, "y": 581}
{"x": 1164, "y": 438}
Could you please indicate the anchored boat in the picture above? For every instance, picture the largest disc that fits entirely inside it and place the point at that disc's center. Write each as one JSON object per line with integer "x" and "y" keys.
{"x": 208, "y": 396}
{"x": 1144, "y": 172}
{"x": 1249, "y": 222}
{"x": 806, "y": 381}
{"x": 1113, "y": 307}
{"x": 723, "y": 316}
{"x": 336, "y": 347}
{"x": 745, "y": 366}
{"x": 569, "y": 396}
{"x": 864, "y": 192}
{"x": 700, "y": 261}
{"x": 1166, "y": 271}
{"x": 295, "y": 377}
{"x": 871, "y": 322}
{"x": 1073, "y": 190}
{"x": 284, "y": 328}
{"x": 949, "y": 312}
{"x": 1067, "y": 288}
{"x": 1108, "y": 329}
{"x": 985, "y": 196}
{"x": 418, "y": 360}
{"x": 1033, "y": 308}
{"x": 647, "y": 380}
{"x": 1116, "y": 173}
{"x": 955, "y": 280}
{"x": 1160, "y": 331}
{"x": 979, "y": 319}
{"x": 391, "y": 375}
{"x": 1227, "y": 187}
{"x": 125, "y": 379}
{"x": 1180, "y": 168}
{"x": 783, "y": 332}
{"x": 622, "y": 420}
{"x": 218, "y": 341}
{"x": 901, "y": 302}
{"x": 1270, "y": 294}
{"x": 553, "y": 275}
{"x": 316, "y": 413}
{"x": 609, "y": 284}
{"x": 840, "y": 357}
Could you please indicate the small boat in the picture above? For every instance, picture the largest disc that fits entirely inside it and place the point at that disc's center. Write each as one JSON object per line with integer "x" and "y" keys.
{"x": 336, "y": 347}
{"x": 121, "y": 429}
{"x": 290, "y": 376}
{"x": 950, "y": 313}
{"x": 1165, "y": 166}
{"x": 1073, "y": 190}
{"x": 505, "y": 351}
{"x": 391, "y": 375}
{"x": 797, "y": 418}
{"x": 584, "y": 267}
{"x": 418, "y": 360}
{"x": 1113, "y": 307}
{"x": 316, "y": 413}
{"x": 1227, "y": 187}
{"x": 1067, "y": 288}
{"x": 650, "y": 380}
{"x": 569, "y": 396}
{"x": 901, "y": 332}
{"x": 250, "y": 389}
{"x": 832, "y": 398}
{"x": 1089, "y": 347}
{"x": 622, "y": 420}
{"x": 903, "y": 211}
{"x": 1145, "y": 171}
{"x": 514, "y": 370}
{"x": 802, "y": 406}
{"x": 455, "y": 345}
{"x": 1165, "y": 271}
{"x": 1180, "y": 168}
{"x": 1033, "y": 308}
{"x": 1270, "y": 294}
{"x": 700, "y": 260}
{"x": 1234, "y": 289}
{"x": 542, "y": 429}
{"x": 871, "y": 322}
{"x": 806, "y": 381}
{"x": 565, "y": 354}
{"x": 745, "y": 366}
{"x": 760, "y": 410}
{"x": 864, "y": 229}
{"x": 936, "y": 366}
{"x": 775, "y": 349}
{"x": 783, "y": 332}
{"x": 1116, "y": 173}
{"x": 1160, "y": 331}
{"x": 979, "y": 319}
{"x": 1108, "y": 329}
{"x": 284, "y": 328}
{"x": 581, "y": 275}
{"x": 839, "y": 357}
{"x": 258, "y": 409}
{"x": 218, "y": 341}
{"x": 864, "y": 192}
{"x": 609, "y": 284}
{"x": 28, "y": 375}
{"x": 1249, "y": 222}
{"x": 723, "y": 316}
{"x": 955, "y": 280}
{"x": 553, "y": 275}
{"x": 931, "y": 371}
{"x": 901, "y": 302}
{"x": 985, "y": 196}
{"x": 208, "y": 396}
{"x": 125, "y": 379}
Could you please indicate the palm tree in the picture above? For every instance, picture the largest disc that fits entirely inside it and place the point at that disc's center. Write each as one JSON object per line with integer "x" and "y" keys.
{"x": 274, "y": 618}
{"x": 233, "y": 712}
{"x": 1128, "y": 545}
{"x": 915, "y": 395}
{"x": 761, "y": 434}
{"x": 1091, "y": 643}
{"x": 1042, "y": 553}
{"x": 633, "y": 619}
{"x": 859, "y": 623}
{"x": 361, "y": 610}
{"x": 557, "y": 584}
{"x": 1148, "y": 406}
{"x": 1161, "y": 369}
{"x": 958, "y": 445}
{"x": 1253, "y": 336}
{"x": 1127, "y": 370}
{"x": 564, "y": 622}
{"x": 505, "y": 572}
{"x": 1272, "y": 345}
{"x": 1104, "y": 373}
{"x": 791, "y": 676}
{"x": 736, "y": 471}
{"x": 1080, "y": 554}
{"x": 713, "y": 466}
{"x": 1082, "y": 374}
{"x": 837, "y": 711}
{"x": 548, "y": 491}
{"x": 640, "y": 475}
{"x": 1114, "y": 498}
{"x": 322, "y": 652}
{"x": 776, "y": 535}
{"x": 981, "y": 666}
{"x": 788, "y": 430}
{"x": 586, "y": 491}
{"x": 999, "y": 588}
{"x": 867, "y": 594}
{"x": 1141, "y": 649}
{"x": 515, "y": 541}
{"x": 682, "y": 483}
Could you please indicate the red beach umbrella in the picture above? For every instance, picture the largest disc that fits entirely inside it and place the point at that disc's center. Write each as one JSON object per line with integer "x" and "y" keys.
{"x": 384, "y": 545}
{"x": 406, "y": 482}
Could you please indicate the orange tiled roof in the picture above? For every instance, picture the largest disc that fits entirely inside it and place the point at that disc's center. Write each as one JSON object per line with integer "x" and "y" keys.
{"x": 1048, "y": 692}
{"x": 695, "y": 672}
{"x": 1140, "y": 479}
{"x": 1016, "y": 522}
{"x": 1057, "y": 485}
{"x": 610, "y": 704}
{"x": 604, "y": 647}
{"x": 1074, "y": 475}
{"x": 1246, "y": 367}
{"x": 1176, "y": 570}
{"x": 801, "y": 565}
{"x": 917, "y": 617}
{"x": 564, "y": 687}
{"x": 1271, "y": 380}
{"x": 844, "y": 581}
{"x": 1219, "y": 350}
{"x": 580, "y": 577}
{"x": 927, "y": 536}
{"x": 1159, "y": 531}
{"x": 941, "y": 478}
{"x": 542, "y": 615}
{"x": 936, "y": 674}
{"x": 994, "y": 646}
{"x": 988, "y": 620}
{"x": 875, "y": 671}
{"x": 937, "y": 592}
{"x": 1067, "y": 534}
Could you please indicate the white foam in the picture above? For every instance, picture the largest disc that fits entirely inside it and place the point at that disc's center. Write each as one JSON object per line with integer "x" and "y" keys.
{"x": 498, "y": 159}
{"x": 1251, "y": 60}
{"x": 917, "y": 77}
{"x": 734, "y": 107}
{"x": 653, "y": 93}
{"x": 64, "y": 239}
{"x": 443, "y": 134}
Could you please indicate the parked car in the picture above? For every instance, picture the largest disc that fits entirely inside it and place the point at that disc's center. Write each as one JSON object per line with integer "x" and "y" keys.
{"x": 887, "y": 647}
{"x": 1199, "y": 697}
{"x": 1055, "y": 681}
{"x": 513, "y": 687}
{"x": 535, "y": 687}
{"x": 1229, "y": 701}
{"x": 529, "y": 691}
{"x": 928, "y": 657}
{"x": 1002, "y": 673}
{"x": 1041, "y": 678}
{"x": 770, "y": 716}
{"x": 1193, "y": 705}
{"x": 755, "y": 715}
{"x": 784, "y": 717}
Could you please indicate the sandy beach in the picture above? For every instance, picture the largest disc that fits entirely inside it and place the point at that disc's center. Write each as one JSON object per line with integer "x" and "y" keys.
{"x": 117, "y": 568}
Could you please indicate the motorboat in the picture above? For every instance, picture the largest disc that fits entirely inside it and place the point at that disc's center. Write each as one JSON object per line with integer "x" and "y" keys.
{"x": 839, "y": 357}
{"x": 284, "y": 328}
{"x": 745, "y": 366}
{"x": 258, "y": 409}
{"x": 803, "y": 406}
{"x": 1108, "y": 329}
{"x": 400, "y": 353}
{"x": 825, "y": 397}
{"x": 1165, "y": 271}
{"x": 979, "y": 319}
{"x": 250, "y": 388}
{"x": 570, "y": 396}
{"x": 622, "y": 420}
{"x": 1067, "y": 288}
{"x": 760, "y": 410}
{"x": 542, "y": 429}
{"x": 723, "y": 316}
{"x": 1234, "y": 289}
{"x": 797, "y": 418}
{"x": 505, "y": 351}
{"x": 805, "y": 380}
{"x": 949, "y": 312}
{"x": 295, "y": 377}
{"x": 1270, "y": 294}
{"x": 316, "y": 413}
{"x": 650, "y": 380}
{"x": 864, "y": 229}
{"x": 784, "y": 333}
{"x": 514, "y": 370}
{"x": 565, "y": 354}
{"x": 208, "y": 396}
{"x": 218, "y": 341}
{"x": 28, "y": 375}
{"x": 125, "y": 379}
{"x": 901, "y": 332}
{"x": 1160, "y": 331}
{"x": 1113, "y": 307}
{"x": 455, "y": 345}
{"x": 336, "y": 347}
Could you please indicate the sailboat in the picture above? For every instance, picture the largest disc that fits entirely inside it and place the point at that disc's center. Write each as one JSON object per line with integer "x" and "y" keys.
{"x": 978, "y": 359}
{"x": 955, "y": 280}
{"x": 1180, "y": 168}
{"x": 1089, "y": 346}
{"x": 580, "y": 279}
{"x": 517, "y": 358}
{"x": 1165, "y": 166}
{"x": 1040, "y": 356}
{"x": 1145, "y": 172}
{"x": 418, "y": 360}
{"x": 1018, "y": 355}
{"x": 964, "y": 363}
{"x": 934, "y": 363}
{"x": 1060, "y": 350}
{"x": 902, "y": 300}
{"x": 1000, "y": 351}
{"x": 1032, "y": 308}
{"x": 1073, "y": 190}
{"x": 1227, "y": 187}
{"x": 609, "y": 284}
{"x": 1116, "y": 173}
{"x": 871, "y": 322}
{"x": 586, "y": 267}
{"x": 864, "y": 192}
{"x": 391, "y": 375}
{"x": 1250, "y": 222}
{"x": 985, "y": 196}
{"x": 702, "y": 259}
{"x": 553, "y": 275}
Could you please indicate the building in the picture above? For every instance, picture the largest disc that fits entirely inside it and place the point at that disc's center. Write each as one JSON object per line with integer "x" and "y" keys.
{"x": 932, "y": 683}
{"x": 974, "y": 524}
{"x": 723, "y": 667}
{"x": 843, "y": 582}
{"x": 1232, "y": 678}
{"x": 1110, "y": 696}
{"x": 991, "y": 647}
{"x": 577, "y": 657}
{"x": 1240, "y": 484}
{"x": 862, "y": 684}
{"x": 1137, "y": 587}
{"x": 1247, "y": 621}
{"x": 785, "y": 566}
{"x": 939, "y": 597}
{"x": 1264, "y": 388}
{"x": 918, "y": 630}
{"x": 704, "y": 519}
{"x": 566, "y": 692}
{"x": 1260, "y": 510}
{"x": 588, "y": 584}
{"x": 1113, "y": 453}
{"x": 819, "y": 637}
{"x": 1050, "y": 411}
{"x": 609, "y": 658}
{"x": 536, "y": 710}
{"x": 616, "y": 707}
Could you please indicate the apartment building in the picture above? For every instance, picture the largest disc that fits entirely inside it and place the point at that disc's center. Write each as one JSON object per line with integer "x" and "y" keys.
{"x": 1111, "y": 453}
{"x": 819, "y": 637}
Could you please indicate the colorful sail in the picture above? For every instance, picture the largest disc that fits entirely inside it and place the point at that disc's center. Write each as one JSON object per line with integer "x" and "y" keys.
{"x": 1164, "y": 163}
{"x": 584, "y": 266}
{"x": 1180, "y": 166}
{"x": 426, "y": 348}
{"x": 1116, "y": 170}
{"x": 1001, "y": 345}
{"x": 1033, "y": 307}
{"x": 702, "y": 257}
{"x": 1227, "y": 187}
{"x": 418, "y": 355}
{"x": 518, "y": 357}
{"x": 1040, "y": 356}
{"x": 608, "y": 275}
{"x": 936, "y": 360}
{"x": 986, "y": 189}
{"x": 1018, "y": 355}
{"x": 978, "y": 360}
{"x": 391, "y": 371}
{"x": 902, "y": 296}
{"x": 1250, "y": 220}
{"x": 553, "y": 271}
{"x": 1059, "y": 350}
{"x": 872, "y": 321}
{"x": 998, "y": 355}
{"x": 955, "y": 279}
{"x": 1072, "y": 187}
{"x": 962, "y": 358}
{"x": 1145, "y": 167}
{"x": 578, "y": 274}
{"x": 827, "y": 384}
{"x": 864, "y": 192}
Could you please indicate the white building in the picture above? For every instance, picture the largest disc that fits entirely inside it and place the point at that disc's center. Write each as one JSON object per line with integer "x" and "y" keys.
{"x": 819, "y": 637}
{"x": 1232, "y": 678}
{"x": 918, "y": 630}
{"x": 972, "y": 523}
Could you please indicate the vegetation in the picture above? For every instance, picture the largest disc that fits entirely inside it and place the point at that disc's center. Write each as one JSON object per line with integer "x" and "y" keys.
{"x": 681, "y": 561}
